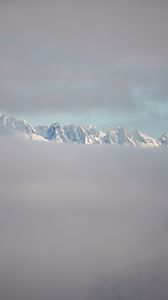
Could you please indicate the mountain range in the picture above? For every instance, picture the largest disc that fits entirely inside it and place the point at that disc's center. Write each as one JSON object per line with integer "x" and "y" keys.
{"x": 57, "y": 133}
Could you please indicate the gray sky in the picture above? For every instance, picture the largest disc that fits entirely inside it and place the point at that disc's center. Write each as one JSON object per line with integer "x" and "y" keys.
{"x": 90, "y": 225}
{"x": 104, "y": 62}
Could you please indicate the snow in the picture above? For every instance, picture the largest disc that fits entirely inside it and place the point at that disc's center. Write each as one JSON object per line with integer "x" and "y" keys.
{"x": 164, "y": 140}
{"x": 78, "y": 134}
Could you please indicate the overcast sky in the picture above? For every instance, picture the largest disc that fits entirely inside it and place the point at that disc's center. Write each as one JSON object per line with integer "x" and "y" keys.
{"x": 103, "y": 62}
{"x": 86, "y": 223}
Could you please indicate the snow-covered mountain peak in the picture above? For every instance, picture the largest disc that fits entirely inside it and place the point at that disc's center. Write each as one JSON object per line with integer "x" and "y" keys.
{"x": 9, "y": 124}
{"x": 17, "y": 127}
{"x": 164, "y": 139}
{"x": 119, "y": 136}
{"x": 122, "y": 136}
{"x": 78, "y": 134}
{"x": 144, "y": 140}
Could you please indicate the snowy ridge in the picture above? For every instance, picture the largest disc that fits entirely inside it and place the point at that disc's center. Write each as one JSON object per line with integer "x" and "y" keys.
{"x": 122, "y": 136}
{"x": 19, "y": 128}
{"x": 164, "y": 139}
{"x": 71, "y": 133}
{"x": 77, "y": 134}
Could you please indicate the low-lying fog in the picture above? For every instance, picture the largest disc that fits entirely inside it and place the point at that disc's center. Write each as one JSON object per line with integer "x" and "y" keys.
{"x": 82, "y": 222}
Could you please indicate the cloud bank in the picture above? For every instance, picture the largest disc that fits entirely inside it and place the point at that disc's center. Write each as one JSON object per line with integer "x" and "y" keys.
{"x": 83, "y": 222}
{"x": 83, "y": 56}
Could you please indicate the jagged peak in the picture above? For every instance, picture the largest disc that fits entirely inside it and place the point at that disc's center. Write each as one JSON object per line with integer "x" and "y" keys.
{"x": 11, "y": 123}
{"x": 164, "y": 139}
{"x": 86, "y": 134}
{"x": 55, "y": 125}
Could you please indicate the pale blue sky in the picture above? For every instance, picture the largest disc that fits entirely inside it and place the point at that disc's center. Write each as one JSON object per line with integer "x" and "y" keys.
{"x": 153, "y": 120}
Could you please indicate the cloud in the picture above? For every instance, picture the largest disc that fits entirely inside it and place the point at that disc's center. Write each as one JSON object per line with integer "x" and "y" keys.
{"x": 82, "y": 222}
{"x": 82, "y": 56}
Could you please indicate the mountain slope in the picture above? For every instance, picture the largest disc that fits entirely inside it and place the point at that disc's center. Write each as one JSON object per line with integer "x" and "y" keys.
{"x": 77, "y": 134}
{"x": 120, "y": 136}
{"x": 71, "y": 133}
{"x": 11, "y": 126}
{"x": 164, "y": 140}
